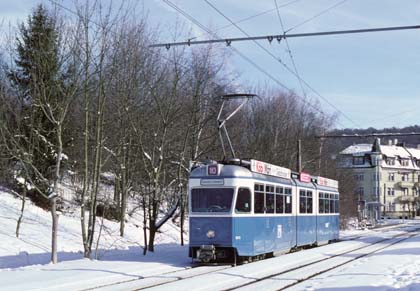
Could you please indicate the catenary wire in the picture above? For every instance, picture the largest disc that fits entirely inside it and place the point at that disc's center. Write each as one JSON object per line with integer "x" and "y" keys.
{"x": 279, "y": 37}
{"x": 316, "y": 16}
{"x": 288, "y": 47}
{"x": 196, "y": 22}
{"x": 250, "y": 17}
{"x": 257, "y": 43}
{"x": 292, "y": 58}
{"x": 101, "y": 26}
{"x": 204, "y": 29}
{"x": 295, "y": 73}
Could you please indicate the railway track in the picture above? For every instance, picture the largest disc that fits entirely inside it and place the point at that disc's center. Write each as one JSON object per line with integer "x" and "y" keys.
{"x": 287, "y": 279}
{"x": 160, "y": 279}
{"x": 288, "y": 275}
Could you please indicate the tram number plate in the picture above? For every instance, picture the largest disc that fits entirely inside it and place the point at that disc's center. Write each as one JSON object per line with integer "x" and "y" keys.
{"x": 279, "y": 230}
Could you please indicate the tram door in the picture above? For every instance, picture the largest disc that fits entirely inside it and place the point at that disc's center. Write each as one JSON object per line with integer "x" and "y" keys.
{"x": 306, "y": 218}
{"x": 264, "y": 220}
{"x": 270, "y": 223}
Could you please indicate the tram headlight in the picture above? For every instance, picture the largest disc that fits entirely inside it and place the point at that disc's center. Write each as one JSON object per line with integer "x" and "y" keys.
{"x": 211, "y": 234}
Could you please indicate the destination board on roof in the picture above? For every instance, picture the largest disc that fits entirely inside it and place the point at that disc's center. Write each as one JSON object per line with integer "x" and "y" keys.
{"x": 327, "y": 182}
{"x": 269, "y": 169}
{"x": 305, "y": 177}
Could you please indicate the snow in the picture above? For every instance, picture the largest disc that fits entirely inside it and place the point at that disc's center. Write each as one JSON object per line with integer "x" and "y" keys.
{"x": 24, "y": 261}
{"x": 387, "y": 150}
{"x": 397, "y": 267}
{"x": 147, "y": 156}
{"x": 357, "y": 149}
{"x": 395, "y": 151}
{"x": 414, "y": 152}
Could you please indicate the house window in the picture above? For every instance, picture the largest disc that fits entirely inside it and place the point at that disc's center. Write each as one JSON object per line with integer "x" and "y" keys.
{"x": 391, "y": 176}
{"x": 360, "y": 192}
{"x": 390, "y": 161}
{"x": 359, "y": 177}
{"x": 404, "y": 162}
{"x": 404, "y": 177}
{"x": 390, "y": 191}
{"x": 358, "y": 160}
{"x": 390, "y": 206}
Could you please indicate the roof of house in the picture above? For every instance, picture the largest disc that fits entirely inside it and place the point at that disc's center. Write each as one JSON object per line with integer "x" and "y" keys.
{"x": 357, "y": 149}
{"x": 387, "y": 150}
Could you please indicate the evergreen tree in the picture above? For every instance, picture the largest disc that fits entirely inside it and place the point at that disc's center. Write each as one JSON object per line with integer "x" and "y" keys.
{"x": 36, "y": 78}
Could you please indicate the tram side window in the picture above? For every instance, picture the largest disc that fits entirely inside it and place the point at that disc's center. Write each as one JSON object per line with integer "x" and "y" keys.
{"x": 321, "y": 202}
{"x": 243, "y": 201}
{"x": 305, "y": 201}
{"x": 337, "y": 204}
{"x": 259, "y": 198}
{"x": 269, "y": 199}
{"x": 327, "y": 203}
{"x": 332, "y": 210}
{"x": 280, "y": 200}
{"x": 309, "y": 202}
{"x": 288, "y": 200}
{"x": 302, "y": 201}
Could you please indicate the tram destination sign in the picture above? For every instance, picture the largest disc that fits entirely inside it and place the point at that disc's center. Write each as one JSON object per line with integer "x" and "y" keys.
{"x": 269, "y": 169}
{"x": 327, "y": 182}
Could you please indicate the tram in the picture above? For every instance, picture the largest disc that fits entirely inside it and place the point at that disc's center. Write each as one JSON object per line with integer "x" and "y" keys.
{"x": 244, "y": 210}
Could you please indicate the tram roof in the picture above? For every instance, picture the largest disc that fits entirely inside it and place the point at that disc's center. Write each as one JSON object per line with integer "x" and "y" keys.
{"x": 261, "y": 171}
{"x": 236, "y": 171}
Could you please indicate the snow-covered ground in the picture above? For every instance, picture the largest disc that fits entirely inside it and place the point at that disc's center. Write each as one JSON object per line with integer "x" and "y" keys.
{"x": 24, "y": 261}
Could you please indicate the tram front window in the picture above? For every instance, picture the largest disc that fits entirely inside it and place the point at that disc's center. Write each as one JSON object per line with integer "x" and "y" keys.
{"x": 211, "y": 199}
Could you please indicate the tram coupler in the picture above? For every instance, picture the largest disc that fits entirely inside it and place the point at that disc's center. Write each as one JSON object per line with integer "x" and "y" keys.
{"x": 206, "y": 253}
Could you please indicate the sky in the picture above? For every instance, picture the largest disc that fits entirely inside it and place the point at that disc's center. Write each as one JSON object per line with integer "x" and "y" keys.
{"x": 369, "y": 80}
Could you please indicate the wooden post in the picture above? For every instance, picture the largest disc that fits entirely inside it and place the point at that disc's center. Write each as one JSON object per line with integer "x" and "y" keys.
{"x": 299, "y": 156}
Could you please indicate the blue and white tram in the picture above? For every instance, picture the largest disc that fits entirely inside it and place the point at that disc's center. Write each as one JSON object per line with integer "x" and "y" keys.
{"x": 251, "y": 209}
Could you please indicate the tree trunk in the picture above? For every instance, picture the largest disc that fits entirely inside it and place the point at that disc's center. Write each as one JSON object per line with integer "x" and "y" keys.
{"x": 182, "y": 217}
{"x": 144, "y": 225}
{"x": 152, "y": 234}
{"x": 22, "y": 208}
{"x": 54, "y": 216}
{"x": 123, "y": 201}
{"x": 86, "y": 253}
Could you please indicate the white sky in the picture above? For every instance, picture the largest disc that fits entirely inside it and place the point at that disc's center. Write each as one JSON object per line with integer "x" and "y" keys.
{"x": 371, "y": 78}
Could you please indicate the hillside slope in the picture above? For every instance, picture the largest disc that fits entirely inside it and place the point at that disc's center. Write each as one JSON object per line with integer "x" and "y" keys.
{"x": 33, "y": 245}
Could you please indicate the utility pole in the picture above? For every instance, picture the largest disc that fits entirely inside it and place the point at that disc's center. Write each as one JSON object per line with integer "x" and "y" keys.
{"x": 299, "y": 156}
{"x": 279, "y": 37}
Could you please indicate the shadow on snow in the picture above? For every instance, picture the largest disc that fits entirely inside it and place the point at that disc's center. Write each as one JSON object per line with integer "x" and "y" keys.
{"x": 170, "y": 254}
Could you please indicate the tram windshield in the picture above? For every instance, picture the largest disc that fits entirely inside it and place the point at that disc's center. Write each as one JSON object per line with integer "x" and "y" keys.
{"x": 211, "y": 199}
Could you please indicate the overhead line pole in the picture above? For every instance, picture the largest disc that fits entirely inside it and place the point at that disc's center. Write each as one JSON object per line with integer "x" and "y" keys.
{"x": 279, "y": 37}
